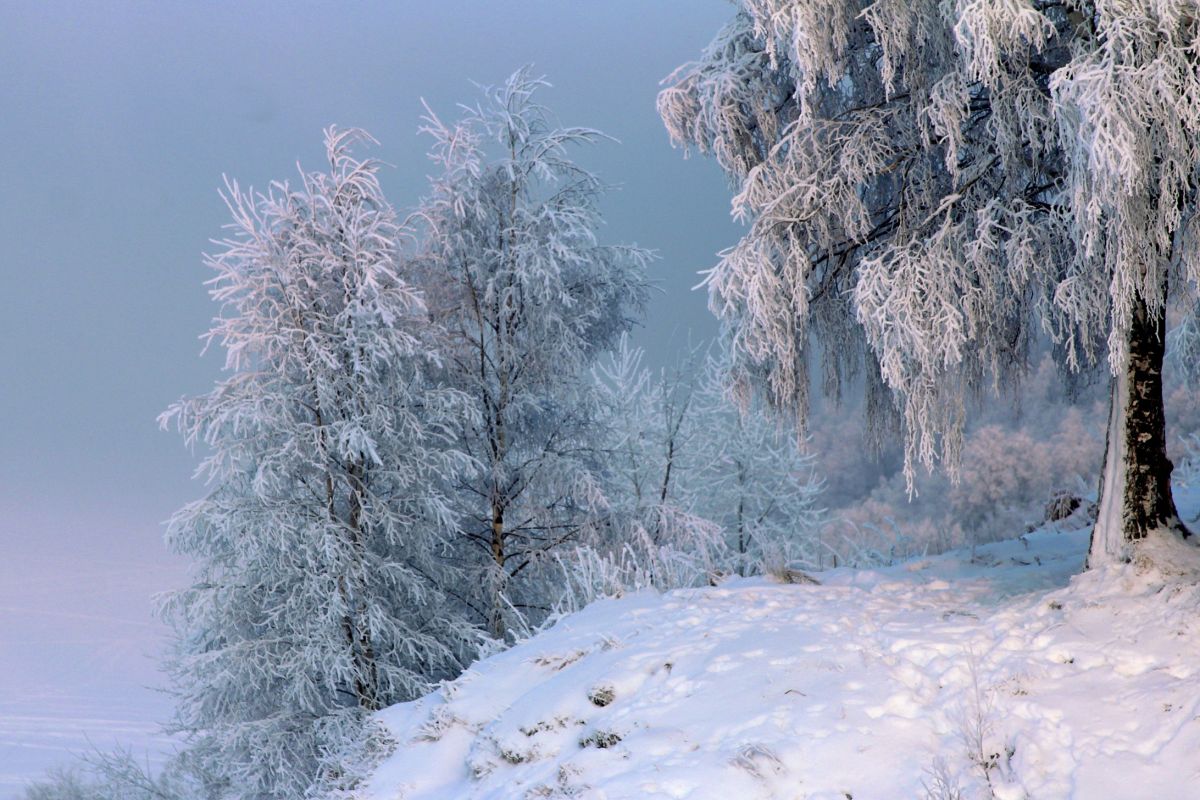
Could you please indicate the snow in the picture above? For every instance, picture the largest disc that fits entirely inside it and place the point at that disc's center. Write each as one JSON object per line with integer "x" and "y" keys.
{"x": 78, "y": 641}
{"x": 870, "y": 685}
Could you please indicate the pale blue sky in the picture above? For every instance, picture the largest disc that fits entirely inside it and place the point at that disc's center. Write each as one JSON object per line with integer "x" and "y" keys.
{"x": 117, "y": 121}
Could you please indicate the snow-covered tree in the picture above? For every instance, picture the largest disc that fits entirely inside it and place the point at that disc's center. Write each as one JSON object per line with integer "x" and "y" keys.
{"x": 930, "y": 185}
{"x": 653, "y": 449}
{"x": 318, "y": 593}
{"x": 695, "y": 486}
{"x": 513, "y": 270}
{"x": 755, "y": 481}
{"x": 1184, "y": 346}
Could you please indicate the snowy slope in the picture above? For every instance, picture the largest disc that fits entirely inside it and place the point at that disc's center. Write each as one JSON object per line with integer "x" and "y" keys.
{"x": 1072, "y": 687}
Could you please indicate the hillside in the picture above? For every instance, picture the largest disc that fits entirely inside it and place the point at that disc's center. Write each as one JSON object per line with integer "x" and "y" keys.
{"x": 1006, "y": 668}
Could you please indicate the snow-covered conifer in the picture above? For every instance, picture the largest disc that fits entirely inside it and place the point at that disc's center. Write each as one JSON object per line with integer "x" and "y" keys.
{"x": 318, "y": 591}
{"x": 941, "y": 182}
{"x": 513, "y": 270}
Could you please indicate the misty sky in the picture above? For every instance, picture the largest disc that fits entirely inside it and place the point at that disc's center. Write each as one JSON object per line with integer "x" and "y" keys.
{"x": 117, "y": 121}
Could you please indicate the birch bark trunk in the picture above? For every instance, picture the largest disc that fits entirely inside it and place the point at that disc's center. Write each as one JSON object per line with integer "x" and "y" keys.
{"x": 1135, "y": 486}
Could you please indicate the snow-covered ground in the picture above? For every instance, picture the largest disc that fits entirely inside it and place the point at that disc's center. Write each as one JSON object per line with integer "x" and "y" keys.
{"x": 1009, "y": 667}
{"x": 78, "y": 642}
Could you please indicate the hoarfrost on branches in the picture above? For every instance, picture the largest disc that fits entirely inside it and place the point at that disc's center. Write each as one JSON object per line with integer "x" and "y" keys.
{"x": 529, "y": 298}
{"x": 757, "y": 482}
{"x": 318, "y": 596}
{"x": 653, "y": 451}
{"x": 699, "y": 489}
{"x": 930, "y": 186}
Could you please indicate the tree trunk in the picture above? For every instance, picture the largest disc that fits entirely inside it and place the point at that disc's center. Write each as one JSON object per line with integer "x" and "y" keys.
{"x": 1135, "y": 486}
{"x": 496, "y": 621}
{"x": 358, "y": 636}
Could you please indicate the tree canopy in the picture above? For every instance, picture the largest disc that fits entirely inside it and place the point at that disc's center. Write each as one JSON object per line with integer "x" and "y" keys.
{"x": 942, "y": 183}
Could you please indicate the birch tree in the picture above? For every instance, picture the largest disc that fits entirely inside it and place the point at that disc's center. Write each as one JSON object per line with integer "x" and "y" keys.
{"x": 930, "y": 186}
{"x": 654, "y": 447}
{"x": 529, "y": 297}
{"x": 696, "y": 487}
{"x": 318, "y": 593}
{"x": 755, "y": 481}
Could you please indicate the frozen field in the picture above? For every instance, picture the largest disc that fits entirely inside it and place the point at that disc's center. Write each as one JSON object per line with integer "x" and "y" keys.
{"x": 76, "y": 645}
